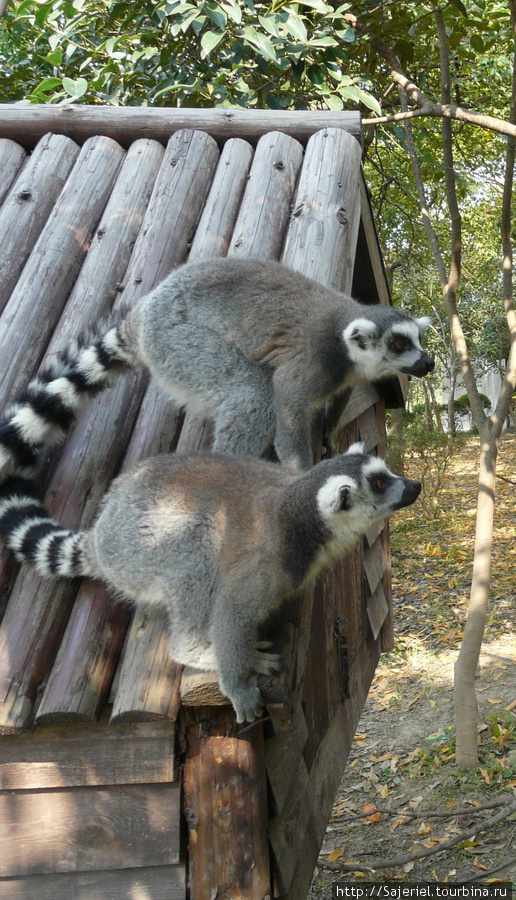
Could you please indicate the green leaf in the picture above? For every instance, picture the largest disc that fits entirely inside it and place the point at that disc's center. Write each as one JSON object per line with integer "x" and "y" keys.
{"x": 297, "y": 28}
{"x": 261, "y": 42}
{"x": 75, "y": 89}
{"x": 41, "y": 14}
{"x": 316, "y": 74}
{"x": 334, "y": 102}
{"x": 48, "y": 84}
{"x": 216, "y": 14}
{"x": 318, "y": 5}
{"x": 477, "y": 43}
{"x": 233, "y": 11}
{"x": 458, "y": 4}
{"x": 209, "y": 41}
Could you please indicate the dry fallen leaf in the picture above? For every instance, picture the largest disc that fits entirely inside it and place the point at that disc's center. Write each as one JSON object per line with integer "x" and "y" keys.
{"x": 336, "y": 854}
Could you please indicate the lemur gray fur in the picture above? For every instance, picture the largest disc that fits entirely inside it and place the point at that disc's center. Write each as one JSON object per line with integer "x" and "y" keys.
{"x": 259, "y": 347}
{"x": 217, "y": 541}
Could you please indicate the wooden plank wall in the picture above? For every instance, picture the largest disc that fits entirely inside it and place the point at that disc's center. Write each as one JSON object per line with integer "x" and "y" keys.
{"x": 347, "y": 632}
{"x": 90, "y": 812}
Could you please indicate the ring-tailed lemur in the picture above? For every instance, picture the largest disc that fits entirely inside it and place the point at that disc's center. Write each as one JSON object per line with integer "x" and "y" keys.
{"x": 256, "y": 345}
{"x": 217, "y": 541}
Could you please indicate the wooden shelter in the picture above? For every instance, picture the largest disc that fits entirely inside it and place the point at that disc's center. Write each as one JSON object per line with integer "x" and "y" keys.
{"x": 122, "y": 777}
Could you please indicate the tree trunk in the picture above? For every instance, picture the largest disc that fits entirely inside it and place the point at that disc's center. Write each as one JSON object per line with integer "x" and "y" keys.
{"x": 466, "y": 709}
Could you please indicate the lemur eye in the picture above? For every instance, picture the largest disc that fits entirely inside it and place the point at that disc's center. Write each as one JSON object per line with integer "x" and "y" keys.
{"x": 380, "y": 484}
{"x": 399, "y": 345}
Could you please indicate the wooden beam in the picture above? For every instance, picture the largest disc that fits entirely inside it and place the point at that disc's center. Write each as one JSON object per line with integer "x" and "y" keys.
{"x": 225, "y": 803}
{"x": 27, "y": 125}
{"x": 158, "y": 882}
{"x": 59, "y": 756}
{"x": 89, "y": 828}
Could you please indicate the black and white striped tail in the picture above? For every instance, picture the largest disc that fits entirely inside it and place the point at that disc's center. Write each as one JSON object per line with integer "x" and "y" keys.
{"x": 35, "y": 538}
{"x": 43, "y": 414}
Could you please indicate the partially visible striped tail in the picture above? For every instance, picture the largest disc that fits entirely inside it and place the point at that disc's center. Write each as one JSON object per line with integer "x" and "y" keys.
{"x": 43, "y": 414}
{"x": 35, "y": 538}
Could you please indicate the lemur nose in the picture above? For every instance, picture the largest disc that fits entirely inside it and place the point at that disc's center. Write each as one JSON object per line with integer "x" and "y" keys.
{"x": 430, "y": 364}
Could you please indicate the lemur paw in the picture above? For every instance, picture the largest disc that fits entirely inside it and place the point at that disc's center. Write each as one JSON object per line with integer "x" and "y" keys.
{"x": 247, "y": 702}
{"x": 266, "y": 663}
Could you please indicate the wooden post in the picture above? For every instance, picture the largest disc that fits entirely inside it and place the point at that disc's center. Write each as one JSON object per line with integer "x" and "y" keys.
{"x": 226, "y": 808}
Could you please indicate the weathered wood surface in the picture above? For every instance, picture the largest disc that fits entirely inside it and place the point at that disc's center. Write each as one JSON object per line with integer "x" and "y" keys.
{"x": 96, "y": 447}
{"x": 28, "y": 205}
{"x": 225, "y": 806}
{"x": 322, "y": 234}
{"x": 296, "y": 848}
{"x": 59, "y": 757}
{"x": 156, "y": 882}
{"x": 89, "y": 828}
{"x": 267, "y": 210}
{"x": 21, "y": 637}
{"x": 374, "y": 255}
{"x": 11, "y": 160}
{"x": 36, "y": 303}
{"x": 374, "y": 565}
{"x": 27, "y": 125}
{"x": 377, "y": 609}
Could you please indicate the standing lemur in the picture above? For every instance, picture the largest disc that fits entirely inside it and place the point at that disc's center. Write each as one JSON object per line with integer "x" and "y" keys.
{"x": 259, "y": 347}
{"x": 217, "y": 541}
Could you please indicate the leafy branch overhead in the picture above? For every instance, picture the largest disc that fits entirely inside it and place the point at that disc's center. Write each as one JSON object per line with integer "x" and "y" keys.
{"x": 247, "y": 54}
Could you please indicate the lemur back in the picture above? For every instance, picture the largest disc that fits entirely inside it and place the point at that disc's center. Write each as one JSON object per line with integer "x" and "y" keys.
{"x": 257, "y": 346}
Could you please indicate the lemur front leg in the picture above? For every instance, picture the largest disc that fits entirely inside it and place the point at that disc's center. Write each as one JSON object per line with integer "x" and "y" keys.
{"x": 238, "y": 655}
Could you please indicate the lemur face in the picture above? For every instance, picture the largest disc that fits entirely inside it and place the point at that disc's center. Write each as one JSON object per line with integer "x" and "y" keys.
{"x": 362, "y": 493}
{"x": 397, "y": 349}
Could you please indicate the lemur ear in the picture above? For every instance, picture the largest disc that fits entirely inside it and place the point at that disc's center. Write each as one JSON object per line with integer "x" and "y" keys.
{"x": 357, "y": 447}
{"x": 423, "y": 323}
{"x": 344, "y": 497}
{"x": 360, "y": 331}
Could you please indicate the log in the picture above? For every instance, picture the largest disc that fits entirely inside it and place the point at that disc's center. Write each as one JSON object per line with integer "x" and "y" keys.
{"x": 28, "y": 206}
{"x": 11, "y": 161}
{"x": 37, "y": 301}
{"x": 80, "y": 679}
{"x": 225, "y": 805}
{"x": 261, "y": 226}
{"x": 322, "y": 235}
{"x": 27, "y": 125}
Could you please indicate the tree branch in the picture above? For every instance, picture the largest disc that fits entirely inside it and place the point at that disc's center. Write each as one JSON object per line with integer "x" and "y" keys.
{"x": 379, "y": 864}
{"x": 426, "y": 106}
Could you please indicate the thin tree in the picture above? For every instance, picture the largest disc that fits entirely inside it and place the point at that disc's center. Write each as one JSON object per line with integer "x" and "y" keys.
{"x": 489, "y": 427}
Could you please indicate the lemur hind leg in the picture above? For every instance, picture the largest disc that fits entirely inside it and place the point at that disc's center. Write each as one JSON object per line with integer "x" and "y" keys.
{"x": 211, "y": 374}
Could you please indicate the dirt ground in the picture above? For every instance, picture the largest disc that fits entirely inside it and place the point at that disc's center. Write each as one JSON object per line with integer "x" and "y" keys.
{"x": 402, "y": 760}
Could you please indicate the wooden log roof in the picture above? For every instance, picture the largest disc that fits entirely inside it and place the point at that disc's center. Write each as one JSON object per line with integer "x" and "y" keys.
{"x": 84, "y": 223}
